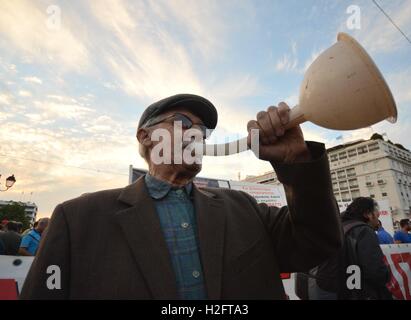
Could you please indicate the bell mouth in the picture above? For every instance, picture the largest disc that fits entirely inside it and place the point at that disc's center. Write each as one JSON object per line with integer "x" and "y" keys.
{"x": 375, "y": 72}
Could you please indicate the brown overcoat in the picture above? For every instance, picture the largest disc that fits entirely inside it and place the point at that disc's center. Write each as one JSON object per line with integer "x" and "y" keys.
{"x": 109, "y": 244}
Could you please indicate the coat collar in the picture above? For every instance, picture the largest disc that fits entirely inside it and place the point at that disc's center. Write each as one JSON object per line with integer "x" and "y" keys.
{"x": 158, "y": 189}
{"x": 141, "y": 227}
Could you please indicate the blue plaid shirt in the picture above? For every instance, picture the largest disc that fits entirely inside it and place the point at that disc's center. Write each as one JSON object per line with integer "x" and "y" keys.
{"x": 178, "y": 222}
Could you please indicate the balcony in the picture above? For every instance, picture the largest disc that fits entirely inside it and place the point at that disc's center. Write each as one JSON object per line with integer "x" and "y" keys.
{"x": 380, "y": 182}
{"x": 369, "y": 184}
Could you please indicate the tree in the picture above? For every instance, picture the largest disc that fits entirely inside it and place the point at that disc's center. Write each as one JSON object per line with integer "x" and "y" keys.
{"x": 14, "y": 212}
{"x": 401, "y": 147}
{"x": 377, "y": 136}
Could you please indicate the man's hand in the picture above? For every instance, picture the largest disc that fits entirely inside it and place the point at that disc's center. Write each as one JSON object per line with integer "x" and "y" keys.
{"x": 277, "y": 144}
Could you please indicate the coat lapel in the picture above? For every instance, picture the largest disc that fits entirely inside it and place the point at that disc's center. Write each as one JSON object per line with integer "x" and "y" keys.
{"x": 211, "y": 226}
{"x": 141, "y": 227}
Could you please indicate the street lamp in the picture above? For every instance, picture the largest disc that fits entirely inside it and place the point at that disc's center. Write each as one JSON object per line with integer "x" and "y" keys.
{"x": 9, "y": 182}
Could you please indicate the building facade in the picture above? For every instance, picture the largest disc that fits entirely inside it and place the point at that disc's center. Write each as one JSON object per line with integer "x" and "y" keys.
{"x": 30, "y": 209}
{"x": 370, "y": 168}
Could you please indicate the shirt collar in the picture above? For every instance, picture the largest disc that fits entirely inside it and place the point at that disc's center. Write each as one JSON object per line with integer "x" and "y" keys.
{"x": 158, "y": 189}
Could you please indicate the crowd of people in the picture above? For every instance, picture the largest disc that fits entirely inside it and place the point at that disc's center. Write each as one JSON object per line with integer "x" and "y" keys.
{"x": 363, "y": 234}
{"x": 14, "y": 241}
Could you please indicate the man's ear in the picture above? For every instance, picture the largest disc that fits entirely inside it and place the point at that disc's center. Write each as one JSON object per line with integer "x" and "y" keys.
{"x": 143, "y": 136}
{"x": 367, "y": 215}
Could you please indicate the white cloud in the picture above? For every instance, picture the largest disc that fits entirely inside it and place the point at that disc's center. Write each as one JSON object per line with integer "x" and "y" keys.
{"x": 23, "y": 25}
{"x": 202, "y": 20}
{"x": 56, "y": 97}
{"x": 310, "y": 60}
{"x": 51, "y": 110}
{"x": 147, "y": 63}
{"x": 102, "y": 125}
{"x": 148, "y": 58}
{"x": 288, "y": 62}
{"x": 236, "y": 86}
{"x": 33, "y": 80}
{"x": 5, "y": 99}
{"x": 24, "y": 93}
{"x": 110, "y": 85}
{"x": 4, "y": 116}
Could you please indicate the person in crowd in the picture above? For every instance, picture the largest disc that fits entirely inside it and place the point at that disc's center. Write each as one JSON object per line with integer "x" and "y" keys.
{"x": 2, "y": 246}
{"x": 11, "y": 238}
{"x": 29, "y": 229}
{"x": 30, "y": 242}
{"x": 383, "y": 236}
{"x": 403, "y": 235}
{"x": 361, "y": 248}
{"x": 163, "y": 238}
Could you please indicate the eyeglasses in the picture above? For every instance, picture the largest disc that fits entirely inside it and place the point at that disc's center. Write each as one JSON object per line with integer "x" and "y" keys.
{"x": 186, "y": 123}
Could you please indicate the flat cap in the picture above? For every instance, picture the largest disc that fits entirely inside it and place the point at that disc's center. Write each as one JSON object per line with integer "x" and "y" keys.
{"x": 199, "y": 106}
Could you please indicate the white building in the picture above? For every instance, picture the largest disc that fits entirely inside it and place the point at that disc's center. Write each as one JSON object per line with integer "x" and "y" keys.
{"x": 30, "y": 208}
{"x": 371, "y": 168}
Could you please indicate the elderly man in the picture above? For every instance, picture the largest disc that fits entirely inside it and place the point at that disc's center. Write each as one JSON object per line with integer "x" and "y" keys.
{"x": 163, "y": 238}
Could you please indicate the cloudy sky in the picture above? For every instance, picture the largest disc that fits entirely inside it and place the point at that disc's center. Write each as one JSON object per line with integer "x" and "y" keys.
{"x": 76, "y": 75}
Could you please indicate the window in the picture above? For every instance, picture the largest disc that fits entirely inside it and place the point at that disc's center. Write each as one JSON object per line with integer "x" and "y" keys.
{"x": 342, "y": 155}
{"x": 343, "y": 185}
{"x": 333, "y": 157}
{"x": 352, "y": 153}
{"x": 362, "y": 150}
{"x": 341, "y": 174}
{"x": 353, "y": 183}
{"x": 373, "y": 147}
{"x": 372, "y": 196}
{"x": 384, "y": 194}
{"x": 345, "y": 197}
{"x": 351, "y": 172}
